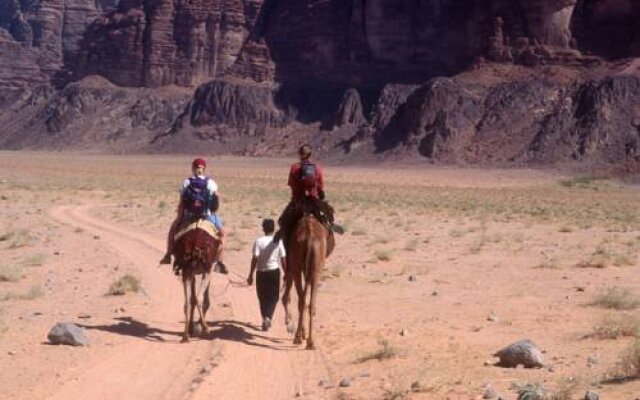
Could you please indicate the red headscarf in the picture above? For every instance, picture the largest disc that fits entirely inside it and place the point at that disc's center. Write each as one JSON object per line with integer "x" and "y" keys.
{"x": 197, "y": 162}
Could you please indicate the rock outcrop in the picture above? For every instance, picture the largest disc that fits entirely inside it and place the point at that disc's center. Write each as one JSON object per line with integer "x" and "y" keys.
{"x": 383, "y": 77}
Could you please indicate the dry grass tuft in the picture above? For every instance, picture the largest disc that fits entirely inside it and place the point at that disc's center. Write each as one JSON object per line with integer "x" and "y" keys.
{"x": 616, "y": 298}
{"x": 126, "y": 284}
{"x": 383, "y": 255}
{"x": 33, "y": 293}
{"x": 11, "y": 274}
{"x": 613, "y": 328}
{"x": 629, "y": 365}
{"x": 385, "y": 352}
{"x": 35, "y": 260}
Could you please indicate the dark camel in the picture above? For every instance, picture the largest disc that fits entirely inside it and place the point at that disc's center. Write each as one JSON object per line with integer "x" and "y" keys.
{"x": 195, "y": 252}
{"x": 308, "y": 247}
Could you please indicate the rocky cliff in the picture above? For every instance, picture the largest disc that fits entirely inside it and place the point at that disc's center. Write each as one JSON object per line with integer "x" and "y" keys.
{"x": 433, "y": 78}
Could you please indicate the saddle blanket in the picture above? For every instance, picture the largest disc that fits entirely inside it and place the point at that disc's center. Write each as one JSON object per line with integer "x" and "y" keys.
{"x": 203, "y": 224}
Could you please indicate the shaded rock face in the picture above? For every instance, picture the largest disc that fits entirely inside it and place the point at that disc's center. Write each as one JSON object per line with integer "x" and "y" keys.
{"x": 91, "y": 114}
{"x": 610, "y": 28}
{"x": 521, "y": 121}
{"x": 353, "y": 43}
{"x": 161, "y": 42}
{"x": 346, "y": 75}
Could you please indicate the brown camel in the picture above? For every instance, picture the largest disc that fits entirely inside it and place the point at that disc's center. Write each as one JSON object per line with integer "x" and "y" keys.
{"x": 195, "y": 252}
{"x": 308, "y": 247}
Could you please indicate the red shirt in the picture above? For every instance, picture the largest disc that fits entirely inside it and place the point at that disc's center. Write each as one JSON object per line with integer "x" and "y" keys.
{"x": 298, "y": 192}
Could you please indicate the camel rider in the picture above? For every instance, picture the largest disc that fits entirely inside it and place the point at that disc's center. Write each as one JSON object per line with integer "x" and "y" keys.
{"x": 306, "y": 179}
{"x": 199, "y": 198}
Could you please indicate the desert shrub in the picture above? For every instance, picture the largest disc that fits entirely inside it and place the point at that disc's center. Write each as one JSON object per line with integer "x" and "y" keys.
{"x": 617, "y": 299}
{"x": 384, "y": 352}
{"x": 11, "y": 273}
{"x": 126, "y": 284}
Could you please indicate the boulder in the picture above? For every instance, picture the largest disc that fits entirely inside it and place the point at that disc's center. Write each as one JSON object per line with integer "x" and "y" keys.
{"x": 67, "y": 333}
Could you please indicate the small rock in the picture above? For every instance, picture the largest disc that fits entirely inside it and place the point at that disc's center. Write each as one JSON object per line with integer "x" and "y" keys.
{"x": 96, "y": 237}
{"x": 193, "y": 387}
{"x": 365, "y": 375}
{"x": 37, "y": 313}
{"x": 67, "y": 333}
{"x": 299, "y": 393}
{"x": 205, "y": 370}
{"x": 434, "y": 293}
{"x": 84, "y": 316}
{"x": 492, "y": 317}
{"x": 413, "y": 278}
{"x": 11, "y": 353}
{"x": 404, "y": 332}
{"x": 579, "y": 289}
{"x": 591, "y": 395}
{"x": 488, "y": 362}
{"x": 523, "y": 352}
{"x": 322, "y": 382}
{"x": 489, "y": 393}
{"x": 345, "y": 382}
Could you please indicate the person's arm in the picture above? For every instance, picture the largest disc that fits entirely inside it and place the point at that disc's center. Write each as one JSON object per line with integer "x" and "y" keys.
{"x": 292, "y": 179}
{"x": 254, "y": 262}
{"x": 320, "y": 181}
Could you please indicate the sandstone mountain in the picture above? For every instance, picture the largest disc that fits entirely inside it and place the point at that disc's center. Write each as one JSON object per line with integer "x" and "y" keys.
{"x": 453, "y": 80}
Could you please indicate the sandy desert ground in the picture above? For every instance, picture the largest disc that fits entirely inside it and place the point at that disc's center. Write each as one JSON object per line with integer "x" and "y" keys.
{"x": 440, "y": 268}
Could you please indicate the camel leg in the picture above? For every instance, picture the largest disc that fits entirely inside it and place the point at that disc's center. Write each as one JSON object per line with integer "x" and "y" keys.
{"x": 286, "y": 301}
{"x": 203, "y": 284}
{"x": 206, "y": 301}
{"x": 186, "y": 285}
{"x": 300, "y": 334}
{"x": 312, "y": 309}
{"x": 193, "y": 303}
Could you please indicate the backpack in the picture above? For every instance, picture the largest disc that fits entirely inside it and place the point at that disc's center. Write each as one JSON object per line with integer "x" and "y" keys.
{"x": 196, "y": 196}
{"x": 307, "y": 176}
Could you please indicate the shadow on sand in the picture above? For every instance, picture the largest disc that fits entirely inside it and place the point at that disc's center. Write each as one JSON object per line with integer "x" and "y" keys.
{"x": 236, "y": 331}
{"x": 128, "y": 326}
{"x": 228, "y": 330}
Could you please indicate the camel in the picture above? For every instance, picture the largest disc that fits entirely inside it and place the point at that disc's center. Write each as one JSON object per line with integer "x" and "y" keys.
{"x": 309, "y": 244}
{"x": 195, "y": 252}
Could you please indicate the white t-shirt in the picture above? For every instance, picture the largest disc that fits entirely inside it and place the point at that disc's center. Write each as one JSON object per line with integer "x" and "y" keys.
{"x": 268, "y": 253}
{"x": 212, "y": 186}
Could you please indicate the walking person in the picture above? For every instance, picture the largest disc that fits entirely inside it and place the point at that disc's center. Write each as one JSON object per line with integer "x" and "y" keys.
{"x": 268, "y": 257}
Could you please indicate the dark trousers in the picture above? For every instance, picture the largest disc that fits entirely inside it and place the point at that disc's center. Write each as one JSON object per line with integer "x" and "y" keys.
{"x": 268, "y": 288}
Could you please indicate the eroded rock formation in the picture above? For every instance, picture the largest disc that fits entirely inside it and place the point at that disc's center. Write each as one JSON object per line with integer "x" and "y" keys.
{"x": 348, "y": 75}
